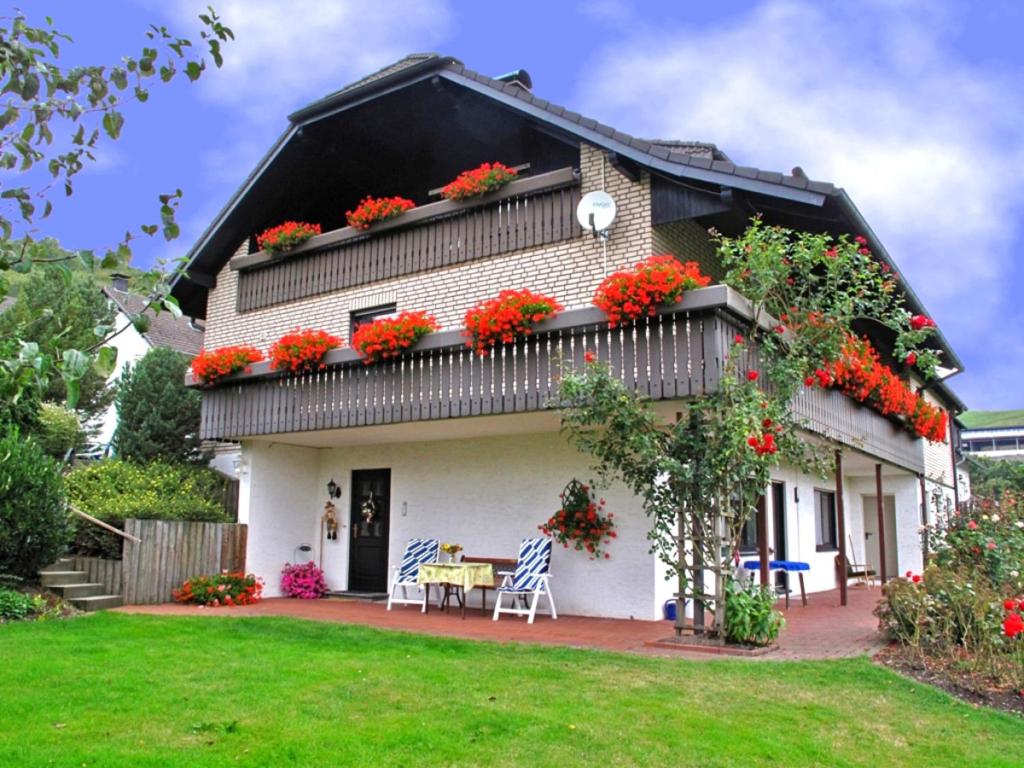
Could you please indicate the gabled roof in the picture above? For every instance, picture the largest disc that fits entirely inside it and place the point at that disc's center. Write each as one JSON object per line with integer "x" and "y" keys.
{"x": 165, "y": 330}
{"x": 677, "y": 160}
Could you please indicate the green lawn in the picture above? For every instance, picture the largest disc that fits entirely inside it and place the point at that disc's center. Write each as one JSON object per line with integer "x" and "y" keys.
{"x": 118, "y": 690}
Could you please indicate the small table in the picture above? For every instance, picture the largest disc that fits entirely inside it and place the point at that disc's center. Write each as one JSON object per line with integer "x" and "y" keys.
{"x": 457, "y": 579}
{"x": 789, "y": 566}
{"x": 499, "y": 563}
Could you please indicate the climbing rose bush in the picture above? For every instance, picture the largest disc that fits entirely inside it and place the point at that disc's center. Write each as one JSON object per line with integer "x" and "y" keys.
{"x": 304, "y": 581}
{"x": 211, "y": 365}
{"x": 502, "y": 319}
{"x": 302, "y": 351}
{"x": 581, "y": 521}
{"x": 479, "y": 181}
{"x": 225, "y": 588}
{"x": 374, "y": 209}
{"x": 860, "y": 373}
{"x": 286, "y": 236}
{"x": 628, "y": 295}
{"x": 389, "y": 336}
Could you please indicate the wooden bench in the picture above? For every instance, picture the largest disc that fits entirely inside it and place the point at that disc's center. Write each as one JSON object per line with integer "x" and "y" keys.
{"x": 860, "y": 571}
{"x": 499, "y": 563}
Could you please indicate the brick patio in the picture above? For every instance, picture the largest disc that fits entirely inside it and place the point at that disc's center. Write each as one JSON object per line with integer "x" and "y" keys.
{"x": 821, "y": 630}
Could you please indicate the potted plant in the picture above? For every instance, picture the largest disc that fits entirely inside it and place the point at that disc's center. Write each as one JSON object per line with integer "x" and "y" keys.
{"x": 502, "y": 319}
{"x": 485, "y": 178}
{"x": 581, "y": 521}
{"x": 373, "y": 209}
{"x": 302, "y": 351}
{"x": 628, "y": 295}
{"x": 210, "y": 366}
{"x": 389, "y": 336}
{"x": 286, "y": 236}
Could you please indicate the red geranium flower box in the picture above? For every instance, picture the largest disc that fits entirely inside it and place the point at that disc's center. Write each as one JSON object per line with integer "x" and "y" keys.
{"x": 479, "y": 181}
{"x": 302, "y": 351}
{"x": 374, "y": 209}
{"x": 210, "y": 365}
{"x": 389, "y": 336}
{"x": 501, "y": 320}
{"x": 628, "y": 295}
{"x": 286, "y": 236}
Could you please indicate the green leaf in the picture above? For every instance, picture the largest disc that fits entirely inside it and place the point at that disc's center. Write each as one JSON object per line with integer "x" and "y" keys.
{"x": 141, "y": 323}
{"x": 30, "y": 86}
{"x": 119, "y": 78}
{"x": 171, "y": 305}
{"x": 194, "y": 70}
{"x": 112, "y": 122}
{"x": 149, "y": 229}
{"x": 105, "y": 362}
{"x": 74, "y": 390}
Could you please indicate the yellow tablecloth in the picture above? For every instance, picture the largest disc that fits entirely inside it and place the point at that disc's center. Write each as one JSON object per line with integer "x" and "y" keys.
{"x": 465, "y": 575}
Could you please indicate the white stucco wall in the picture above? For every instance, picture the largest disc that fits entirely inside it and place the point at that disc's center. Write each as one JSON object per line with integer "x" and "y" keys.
{"x": 484, "y": 493}
{"x": 131, "y": 347}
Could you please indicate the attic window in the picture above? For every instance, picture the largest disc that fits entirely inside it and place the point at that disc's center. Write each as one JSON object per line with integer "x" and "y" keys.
{"x": 368, "y": 315}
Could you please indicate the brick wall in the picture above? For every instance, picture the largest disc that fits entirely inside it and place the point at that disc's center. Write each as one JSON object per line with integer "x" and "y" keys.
{"x": 570, "y": 270}
{"x": 688, "y": 241}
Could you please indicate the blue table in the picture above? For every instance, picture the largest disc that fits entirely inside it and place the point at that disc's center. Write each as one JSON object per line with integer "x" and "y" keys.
{"x": 789, "y": 566}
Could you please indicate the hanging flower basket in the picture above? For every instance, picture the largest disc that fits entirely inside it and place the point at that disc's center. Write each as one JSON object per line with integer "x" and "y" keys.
{"x": 479, "y": 181}
{"x": 629, "y": 295}
{"x": 210, "y": 366}
{"x": 374, "y": 209}
{"x": 286, "y": 236}
{"x": 501, "y": 320}
{"x": 302, "y": 351}
{"x": 581, "y": 522}
{"x": 390, "y": 336}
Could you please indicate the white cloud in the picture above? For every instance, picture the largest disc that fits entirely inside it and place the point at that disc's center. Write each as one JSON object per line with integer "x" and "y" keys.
{"x": 288, "y": 53}
{"x": 874, "y": 100}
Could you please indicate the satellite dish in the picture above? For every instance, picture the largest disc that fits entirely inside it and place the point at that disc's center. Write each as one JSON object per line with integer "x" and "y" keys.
{"x": 596, "y": 211}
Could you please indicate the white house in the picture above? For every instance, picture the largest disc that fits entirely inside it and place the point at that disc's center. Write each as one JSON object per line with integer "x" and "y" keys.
{"x": 469, "y": 450}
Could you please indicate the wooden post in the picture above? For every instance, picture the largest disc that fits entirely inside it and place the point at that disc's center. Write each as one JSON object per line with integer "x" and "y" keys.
{"x": 762, "y": 539}
{"x": 924, "y": 519}
{"x": 952, "y": 460}
{"x": 841, "y": 529}
{"x": 698, "y": 579}
{"x": 881, "y": 523}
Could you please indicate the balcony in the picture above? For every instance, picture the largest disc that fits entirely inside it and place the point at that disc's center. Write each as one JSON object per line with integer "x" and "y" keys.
{"x": 675, "y": 355}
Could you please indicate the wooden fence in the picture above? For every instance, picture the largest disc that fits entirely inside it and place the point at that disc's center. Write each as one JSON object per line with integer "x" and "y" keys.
{"x": 101, "y": 571}
{"x": 172, "y": 551}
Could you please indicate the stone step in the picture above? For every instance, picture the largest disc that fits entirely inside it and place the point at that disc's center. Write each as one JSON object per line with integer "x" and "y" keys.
{"x": 69, "y": 591}
{"x": 62, "y": 564}
{"x": 96, "y": 602}
{"x": 50, "y": 578}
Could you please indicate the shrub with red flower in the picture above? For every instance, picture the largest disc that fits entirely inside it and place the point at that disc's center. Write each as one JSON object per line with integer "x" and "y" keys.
{"x": 581, "y": 521}
{"x": 303, "y": 580}
{"x": 225, "y": 588}
{"x": 302, "y": 351}
{"x": 210, "y": 365}
{"x": 628, "y": 295}
{"x": 286, "y": 236}
{"x": 389, "y": 336}
{"x": 860, "y": 373}
{"x": 501, "y": 320}
{"x": 479, "y": 181}
{"x": 373, "y": 209}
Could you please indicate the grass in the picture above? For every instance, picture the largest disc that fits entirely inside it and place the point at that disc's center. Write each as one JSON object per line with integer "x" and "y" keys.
{"x": 119, "y": 690}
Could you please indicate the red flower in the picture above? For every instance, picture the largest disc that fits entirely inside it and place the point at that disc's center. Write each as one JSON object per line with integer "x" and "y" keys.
{"x": 302, "y": 351}
{"x": 502, "y": 319}
{"x": 629, "y": 295}
{"x": 752, "y": 375}
{"x": 738, "y": 338}
{"x": 1013, "y": 625}
{"x": 589, "y": 357}
{"x": 916, "y": 578}
{"x": 286, "y": 236}
{"x": 387, "y": 337}
{"x": 911, "y": 358}
{"x": 373, "y": 209}
{"x": 209, "y": 366}
{"x": 1010, "y": 605}
{"x": 972, "y": 525}
{"x": 917, "y": 322}
{"x": 860, "y": 240}
{"x": 482, "y": 179}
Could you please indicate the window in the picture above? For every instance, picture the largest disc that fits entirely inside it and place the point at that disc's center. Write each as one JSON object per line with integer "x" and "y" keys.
{"x": 825, "y": 521}
{"x": 368, "y": 315}
{"x": 748, "y": 536}
{"x": 1006, "y": 443}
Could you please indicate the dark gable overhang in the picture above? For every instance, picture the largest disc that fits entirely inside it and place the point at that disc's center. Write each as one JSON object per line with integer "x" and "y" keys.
{"x": 712, "y": 171}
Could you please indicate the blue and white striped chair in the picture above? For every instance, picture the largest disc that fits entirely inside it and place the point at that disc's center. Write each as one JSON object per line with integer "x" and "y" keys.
{"x": 529, "y": 581}
{"x": 417, "y": 552}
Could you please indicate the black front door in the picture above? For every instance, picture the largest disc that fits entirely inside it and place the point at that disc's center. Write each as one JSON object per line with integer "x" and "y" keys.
{"x": 779, "y": 524}
{"x": 369, "y": 522}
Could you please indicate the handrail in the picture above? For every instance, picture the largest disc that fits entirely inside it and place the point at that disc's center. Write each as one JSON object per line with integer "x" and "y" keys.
{"x": 96, "y": 521}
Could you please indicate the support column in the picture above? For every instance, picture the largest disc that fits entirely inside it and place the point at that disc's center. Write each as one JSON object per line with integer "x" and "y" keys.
{"x": 924, "y": 519}
{"x": 762, "y": 539}
{"x": 841, "y": 529}
{"x": 881, "y": 524}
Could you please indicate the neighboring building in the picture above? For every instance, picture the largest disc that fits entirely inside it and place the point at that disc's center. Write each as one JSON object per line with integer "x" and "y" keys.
{"x": 467, "y": 449}
{"x": 181, "y": 334}
{"x": 994, "y": 434}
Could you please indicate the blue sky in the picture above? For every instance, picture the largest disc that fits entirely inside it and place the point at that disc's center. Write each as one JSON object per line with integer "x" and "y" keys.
{"x": 916, "y": 108}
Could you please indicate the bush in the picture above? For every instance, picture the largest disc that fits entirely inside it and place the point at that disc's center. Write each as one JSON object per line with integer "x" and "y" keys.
{"x": 304, "y": 581}
{"x": 34, "y": 527}
{"x": 59, "y": 430}
{"x": 115, "y": 490}
{"x": 222, "y": 589}
{"x": 750, "y": 615}
{"x": 158, "y": 416}
{"x": 16, "y": 605}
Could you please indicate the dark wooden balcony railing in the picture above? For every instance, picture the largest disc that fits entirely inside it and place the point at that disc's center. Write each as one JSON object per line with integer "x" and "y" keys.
{"x": 677, "y": 354}
{"x": 526, "y": 213}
